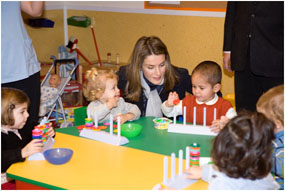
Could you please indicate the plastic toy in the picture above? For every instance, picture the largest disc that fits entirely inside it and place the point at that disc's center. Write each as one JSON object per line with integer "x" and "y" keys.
{"x": 130, "y": 130}
{"x": 54, "y": 80}
{"x": 40, "y": 131}
{"x": 179, "y": 181}
{"x": 103, "y": 136}
{"x": 161, "y": 123}
{"x": 58, "y": 155}
{"x": 194, "y": 154}
{"x": 176, "y": 101}
{"x": 191, "y": 129}
{"x": 89, "y": 125}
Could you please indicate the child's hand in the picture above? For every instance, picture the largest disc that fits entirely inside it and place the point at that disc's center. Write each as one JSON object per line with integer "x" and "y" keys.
{"x": 51, "y": 132}
{"x": 124, "y": 117}
{"x": 194, "y": 172}
{"x": 111, "y": 103}
{"x": 32, "y": 147}
{"x": 219, "y": 124}
{"x": 171, "y": 97}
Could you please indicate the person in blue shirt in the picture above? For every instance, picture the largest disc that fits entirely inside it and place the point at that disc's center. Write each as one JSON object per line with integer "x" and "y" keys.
{"x": 271, "y": 104}
{"x": 20, "y": 67}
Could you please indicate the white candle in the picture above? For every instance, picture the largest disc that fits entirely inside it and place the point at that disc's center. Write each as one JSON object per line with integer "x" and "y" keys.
{"x": 204, "y": 117}
{"x": 96, "y": 119}
{"x": 180, "y": 167}
{"x": 215, "y": 113}
{"x": 184, "y": 116}
{"x": 111, "y": 124}
{"x": 194, "y": 116}
{"x": 174, "y": 118}
{"x": 187, "y": 158}
{"x": 165, "y": 170}
{"x": 119, "y": 126}
{"x": 172, "y": 166}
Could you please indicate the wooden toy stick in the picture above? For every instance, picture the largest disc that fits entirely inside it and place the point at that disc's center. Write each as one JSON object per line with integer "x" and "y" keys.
{"x": 204, "y": 116}
{"x": 180, "y": 167}
{"x": 111, "y": 124}
{"x": 96, "y": 119}
{"x": 172, "y": 166}
{"x": 194, "y": 116}
{"x": 187, "y": 157}
{"x": 184, "y": 116}
{"x": 165, "y": 170}
{"x": 119, "y": 126}
{"x": 88, "y": 114}
{"x": 174, "y": 118}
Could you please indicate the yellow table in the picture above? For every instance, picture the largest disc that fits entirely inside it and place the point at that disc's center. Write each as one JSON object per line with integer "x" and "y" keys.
{"x": 95, "y": 166}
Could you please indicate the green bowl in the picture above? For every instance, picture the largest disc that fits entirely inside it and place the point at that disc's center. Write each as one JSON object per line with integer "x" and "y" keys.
{"x": 130, "y": 130}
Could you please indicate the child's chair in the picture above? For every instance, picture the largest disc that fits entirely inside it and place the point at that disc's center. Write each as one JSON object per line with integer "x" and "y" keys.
{"x": 79, "y": 116}
{"x": 231, "y": 98}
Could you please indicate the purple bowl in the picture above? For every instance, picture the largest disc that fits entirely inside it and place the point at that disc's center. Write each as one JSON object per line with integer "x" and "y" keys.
{"x": 58, "y": 155}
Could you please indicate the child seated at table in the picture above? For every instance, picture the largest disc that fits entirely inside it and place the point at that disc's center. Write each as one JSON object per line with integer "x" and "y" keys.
{"x": 206, "y": 82}
{"x": 271, "y": 104}
{"x": 241, "y": 155}
{"x": 100, "y": 87}
{"x": 16, "y": 136}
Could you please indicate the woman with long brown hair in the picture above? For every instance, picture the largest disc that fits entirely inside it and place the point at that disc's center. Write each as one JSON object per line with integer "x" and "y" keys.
{"x": 149, "y": 77}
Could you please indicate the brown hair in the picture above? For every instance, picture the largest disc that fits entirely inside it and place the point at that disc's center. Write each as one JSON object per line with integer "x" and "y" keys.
{"x": 271, "y": 103}
{"x": 211, "y": 70}
{"x": 144, "y": 47}
{"x": 95, "y": 83}
{"x": 243, "y": 147}
{"x": 10, "y": 98}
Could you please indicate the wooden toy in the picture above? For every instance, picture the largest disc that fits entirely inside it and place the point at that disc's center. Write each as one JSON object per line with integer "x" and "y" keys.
{"x": 191, "y": 129}
{"x": 103, "y": 136}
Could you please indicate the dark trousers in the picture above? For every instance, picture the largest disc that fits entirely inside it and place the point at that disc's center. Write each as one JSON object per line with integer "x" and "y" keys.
{"x": 249, "y": 87}
{"x": 32, "y": 87}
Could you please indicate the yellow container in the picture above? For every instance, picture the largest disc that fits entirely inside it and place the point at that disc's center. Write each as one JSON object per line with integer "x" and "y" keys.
{"x": 161, "y": 123}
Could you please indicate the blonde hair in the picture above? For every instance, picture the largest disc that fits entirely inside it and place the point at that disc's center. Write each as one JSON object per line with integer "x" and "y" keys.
{"x": 95, "y": 83}
{"x": 271, "y": 103}
{"x": 10, "y": 98}
{"x": 145, "y": 47}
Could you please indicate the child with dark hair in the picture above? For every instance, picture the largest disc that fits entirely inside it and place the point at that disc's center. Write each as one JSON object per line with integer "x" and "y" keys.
{"x": 206, "y": 83}
{"x": 241, "y": 155}
{"x": 16, "y": 138}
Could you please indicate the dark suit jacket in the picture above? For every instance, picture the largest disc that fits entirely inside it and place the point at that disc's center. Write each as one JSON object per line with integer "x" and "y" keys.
{"x": 256, "y": 28}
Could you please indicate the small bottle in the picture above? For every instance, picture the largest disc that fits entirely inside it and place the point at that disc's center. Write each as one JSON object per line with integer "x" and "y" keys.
{"x": 118, "y": 58}
{"x": 109, "y": 57}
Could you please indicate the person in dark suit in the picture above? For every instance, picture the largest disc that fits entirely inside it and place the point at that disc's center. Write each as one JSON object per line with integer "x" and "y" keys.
{"x": 150, "y": 76}
{"x": 254, "y": 44}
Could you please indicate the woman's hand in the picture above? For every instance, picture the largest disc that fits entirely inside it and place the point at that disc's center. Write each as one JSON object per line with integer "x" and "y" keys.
{"x": 194, "y": 172}
{"x": 35, "y": 146}
{"x": 171, "y": 97}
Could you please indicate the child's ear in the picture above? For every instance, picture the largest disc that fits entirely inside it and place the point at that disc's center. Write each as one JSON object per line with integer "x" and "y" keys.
{"x": 217, "y": 87}
{"x": 278, "y": 125}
